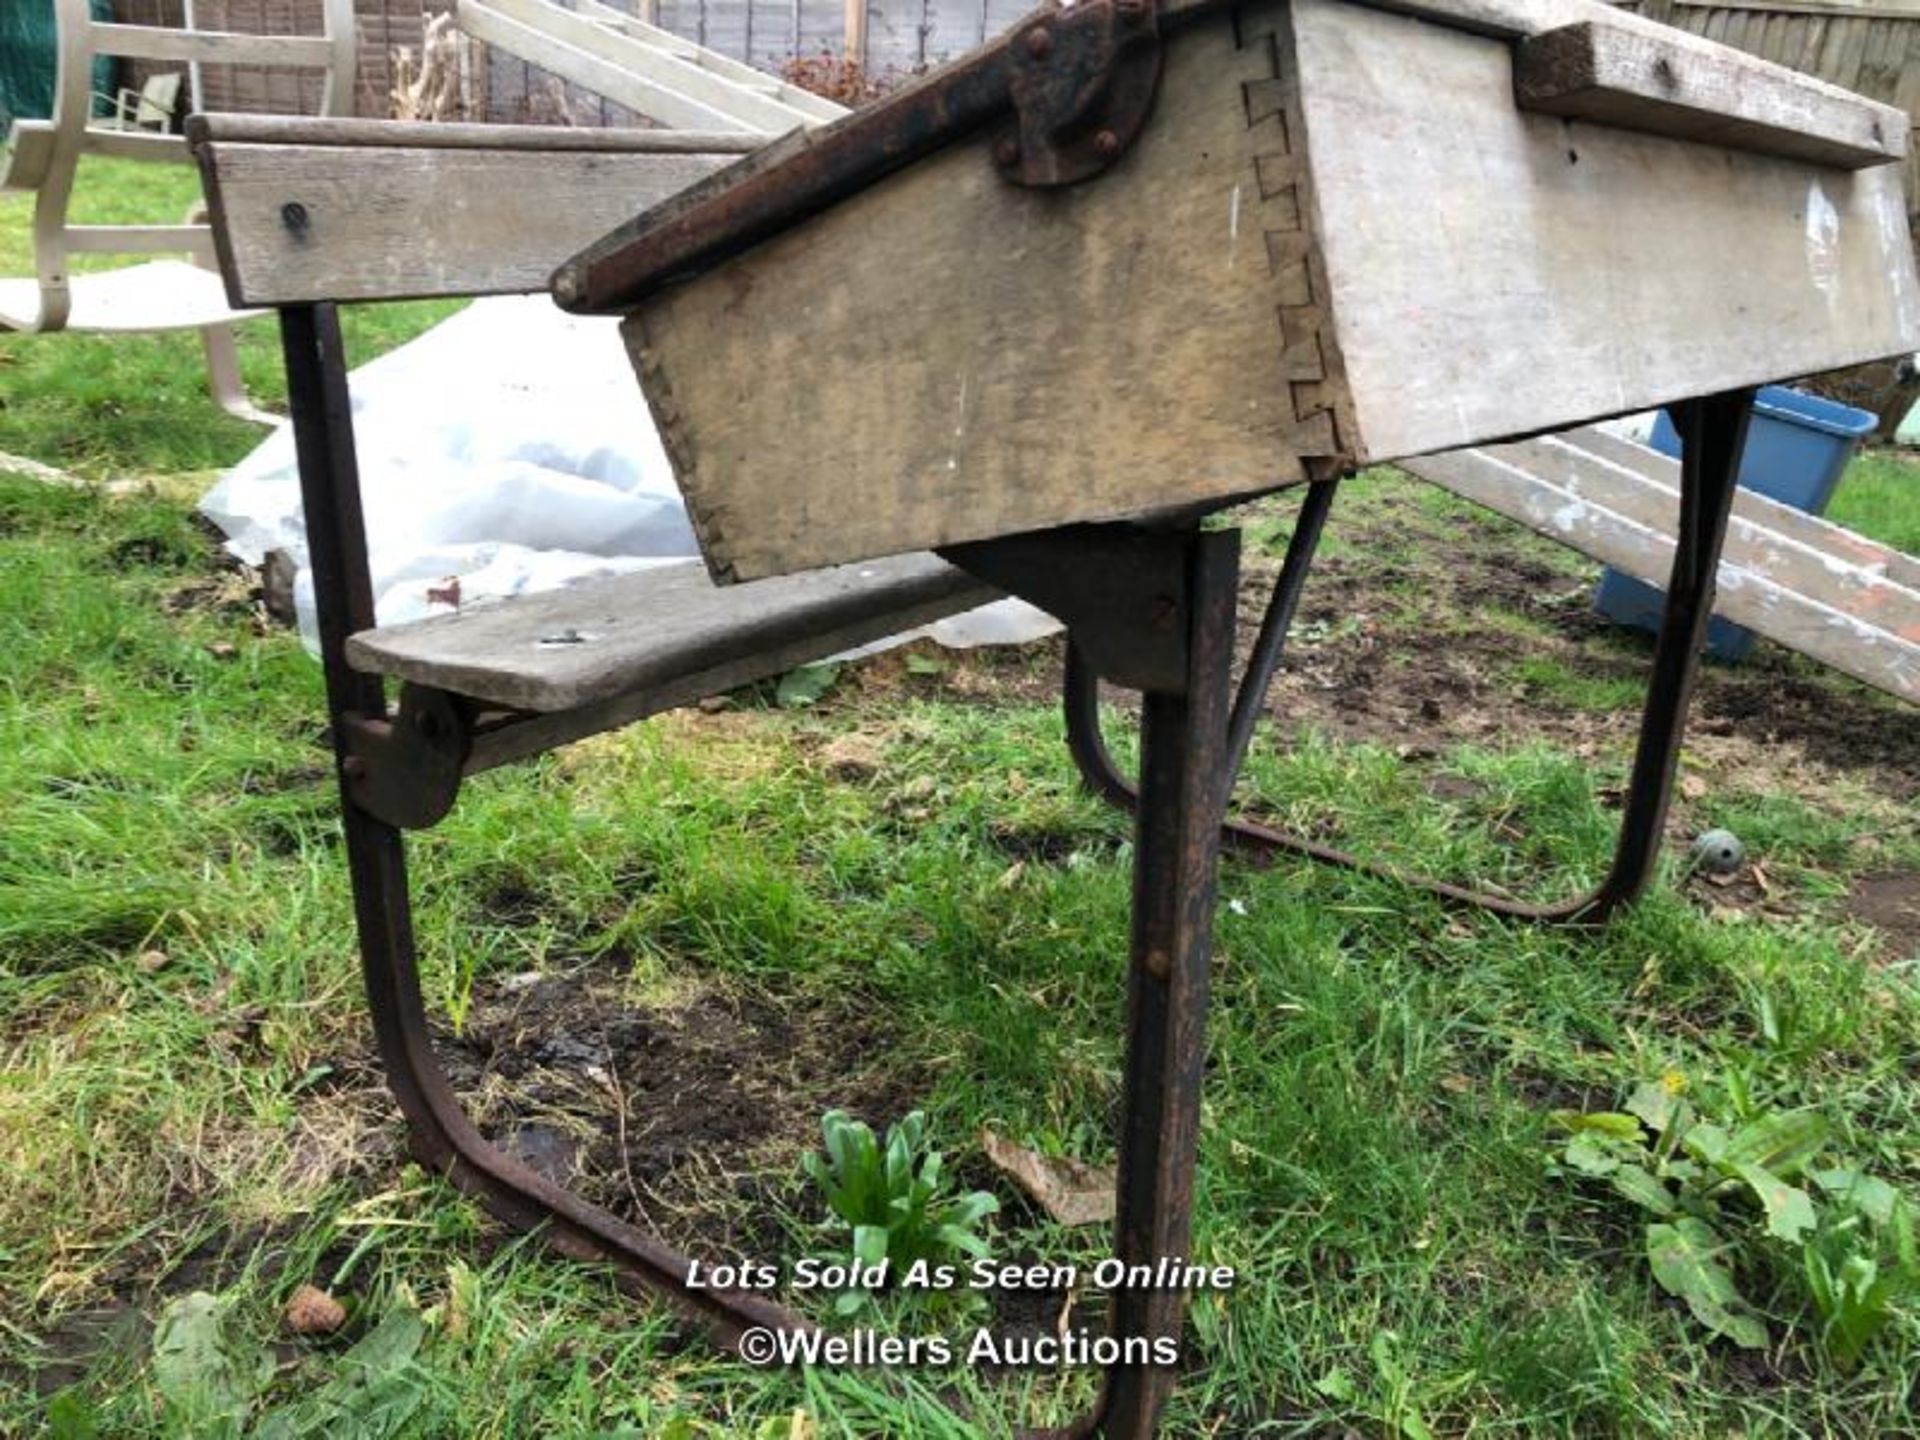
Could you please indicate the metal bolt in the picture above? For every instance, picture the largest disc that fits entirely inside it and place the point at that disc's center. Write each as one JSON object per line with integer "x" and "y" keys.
{"x": 294, "y": 216}
{"x": 1039, "y": 42}
{"x": 1007, "y": 154}
{"x": 1106, "y": 144}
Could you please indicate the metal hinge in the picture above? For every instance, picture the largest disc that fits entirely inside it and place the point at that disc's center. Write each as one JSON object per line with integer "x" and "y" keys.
{"x": 1083, "y": 83}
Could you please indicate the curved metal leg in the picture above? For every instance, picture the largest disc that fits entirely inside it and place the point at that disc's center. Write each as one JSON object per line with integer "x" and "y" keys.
{"x": 443, "y": 1135}
{"x": 1714, "y": 434}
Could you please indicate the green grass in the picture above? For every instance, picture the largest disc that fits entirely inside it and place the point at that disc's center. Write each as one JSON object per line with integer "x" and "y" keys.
{"x": 1879, "y": 495}
{"x": 1554, "y": 678}
{"x": 119, "y": 405}
{"x": 1374, "y": 1141}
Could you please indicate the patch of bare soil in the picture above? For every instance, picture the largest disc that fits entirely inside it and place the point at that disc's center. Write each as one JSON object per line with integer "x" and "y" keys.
{"x": 681, "y": 1114}
{"x": 1891, "y": 904}
{"x": 81, "y": 1341}
{"x": 1415, "y": 630}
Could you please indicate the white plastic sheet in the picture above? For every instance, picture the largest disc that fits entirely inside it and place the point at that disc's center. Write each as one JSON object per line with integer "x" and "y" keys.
{"x": 509, "y": 449}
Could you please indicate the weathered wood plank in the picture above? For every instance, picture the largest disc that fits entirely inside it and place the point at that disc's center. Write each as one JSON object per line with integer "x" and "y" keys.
{"x": 1807, "y": 530}
{"x": 1864, "y": 629}
{"x": 640, "y": 634}
{"x": 1244, "y": 300}
{"x": 1603, "y": 73}
{"x": 1806, "y": 7}
{"x": 947, "y": 357}
{"x": 644, "y": 94}
{"x": 455, "y": 135}
{"x": 725, "y": 67}
{"x": 381, "y": 224}
{"x": 1563, "y": 273}
{"x": 1648, "y": 493}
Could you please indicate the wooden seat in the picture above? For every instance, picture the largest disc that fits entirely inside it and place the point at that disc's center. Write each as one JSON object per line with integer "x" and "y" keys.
{"x": 652, "y": 632}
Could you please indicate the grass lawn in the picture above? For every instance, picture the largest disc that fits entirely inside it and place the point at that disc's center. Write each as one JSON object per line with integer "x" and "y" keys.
{"x": 658, "y": 956}
{"x": 1880, "y": 496}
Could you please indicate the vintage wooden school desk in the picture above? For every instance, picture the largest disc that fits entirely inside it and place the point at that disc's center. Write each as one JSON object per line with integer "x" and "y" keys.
{"x": 1045, "y": 309}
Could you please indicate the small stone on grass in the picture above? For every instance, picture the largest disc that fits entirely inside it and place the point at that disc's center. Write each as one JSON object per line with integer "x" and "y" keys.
{"x": 312, "y": 1311}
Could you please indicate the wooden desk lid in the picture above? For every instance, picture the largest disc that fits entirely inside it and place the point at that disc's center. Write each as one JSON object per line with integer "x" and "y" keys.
{"x": 1343, "y": 233}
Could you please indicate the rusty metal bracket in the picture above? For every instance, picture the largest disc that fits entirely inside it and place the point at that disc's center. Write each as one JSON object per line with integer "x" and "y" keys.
{"x": 1083, "y": 84}
{"x": 1121, "y": 589}
{"x": 406, "y": 771}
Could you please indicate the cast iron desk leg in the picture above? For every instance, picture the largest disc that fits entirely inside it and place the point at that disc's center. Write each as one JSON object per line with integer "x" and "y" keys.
{"x": 1158, "y": 608}
{"x": 1186, "y": 774}
{"x": 443, "y": 1135}
{"x": 1714, "y": 431}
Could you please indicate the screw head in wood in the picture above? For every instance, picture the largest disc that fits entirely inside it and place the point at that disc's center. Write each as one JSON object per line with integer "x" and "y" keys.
{"x": 1106, "y": 144}
{"x": 1039, "y": 42}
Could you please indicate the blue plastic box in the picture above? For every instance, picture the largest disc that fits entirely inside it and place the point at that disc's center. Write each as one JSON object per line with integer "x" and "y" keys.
{"x": 1797, "y": 447}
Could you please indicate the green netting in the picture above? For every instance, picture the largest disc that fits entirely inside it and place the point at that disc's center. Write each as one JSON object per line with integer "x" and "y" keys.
{"x": 28, "y": 54}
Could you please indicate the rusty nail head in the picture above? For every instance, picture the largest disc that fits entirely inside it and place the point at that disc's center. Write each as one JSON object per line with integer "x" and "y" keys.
{"x": 1007, "y": 153}
{"x": 1159, "y": 964}
{"x": 1106, "y": 144}
{"x": 1039, "y": 42}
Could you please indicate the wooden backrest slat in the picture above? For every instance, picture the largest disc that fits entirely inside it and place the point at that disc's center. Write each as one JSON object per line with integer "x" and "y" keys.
{"x": 357, "y": 211}
{"x": 456, "y": 135}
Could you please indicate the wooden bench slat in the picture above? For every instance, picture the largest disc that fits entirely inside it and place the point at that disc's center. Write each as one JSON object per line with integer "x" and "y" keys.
{"x": 595, "y": 642}
{"x": 1817, "y": 598}
{"x": 1798, "y": 525}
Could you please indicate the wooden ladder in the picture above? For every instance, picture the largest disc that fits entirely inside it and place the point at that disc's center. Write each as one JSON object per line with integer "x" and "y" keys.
{"x": 1809, "y": 584}
{"x": 643, "y": 67}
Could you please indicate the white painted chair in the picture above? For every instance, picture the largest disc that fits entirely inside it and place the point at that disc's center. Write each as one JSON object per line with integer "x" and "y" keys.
{"x": 167, "y": 292}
